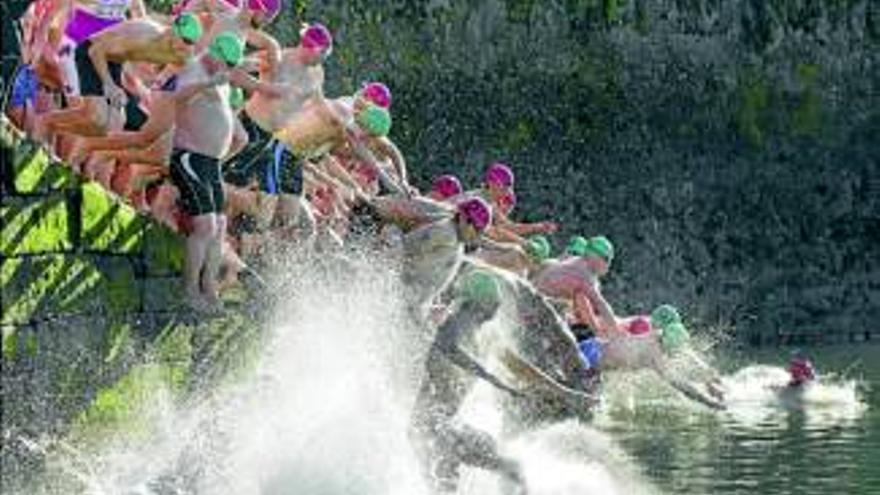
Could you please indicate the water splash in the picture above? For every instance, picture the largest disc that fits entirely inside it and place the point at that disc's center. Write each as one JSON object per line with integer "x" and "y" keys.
{"x": 325, "y": 412}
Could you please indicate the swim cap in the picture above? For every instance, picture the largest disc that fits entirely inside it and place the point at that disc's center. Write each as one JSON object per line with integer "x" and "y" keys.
{"x": 228, "y": 48}
{"x": 538, "y": 247}
{"x": 479, "y": 286}
{"x": 446, "y": 186}
{"x": 591, "y": 350}
{"x": 374, "y": 120}
{"x": 499, "y": 174}
{"x": 269, "y": 7}
{"x": 639, "y": 325}
{"x": 477, "y": 212}
{"x": 236, "y": 97}
{"x": 577, "y": 246}
{"x": 187, "y": 27}
{"x": 377, "y": 93}
{"x": 601, "y": 247}
{"x": 674, "y": 337}
{"x": 665, "y": 315}
{"x": 317, "y": 35}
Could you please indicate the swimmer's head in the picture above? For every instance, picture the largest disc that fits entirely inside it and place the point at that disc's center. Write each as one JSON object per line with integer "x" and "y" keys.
{"x": 538, "y": 248}
{"x": 599, "y": 253}
{"x": 227, "y": 48}
{"x": 674, "y": 337}
{"x": 236, "y": 98}
{"x": 263, "y": 11}
{"x": 316, "y": 39}
{"x": 577, "y": 246}
{"x": 639, "y": 325}
{"x": 373, "y": 120}
{"x": 475, "y": 212}
{"x": 445, "y": 187}
{"x": 800, "y": 369}
{"x": 479, "y": 286}
{"x": 506, "y": 201}
{"x": 187, "y": 28}
{"x": 498, "y": 175}
{"x": 591, "y": 351}
{"x": 665, "y": 315}
{"x": 375, "y": 93}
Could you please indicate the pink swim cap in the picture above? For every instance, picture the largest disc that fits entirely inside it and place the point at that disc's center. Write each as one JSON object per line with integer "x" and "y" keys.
{"x": 270, "y": 7}
{"x": 377, "y": 93}
{"x": 639, "y": 325}
{"x": 317, "y": 35}
{"x": 446, "y": 186}
{"x": 477, "y": 212}
{"x": 499, "y": 174}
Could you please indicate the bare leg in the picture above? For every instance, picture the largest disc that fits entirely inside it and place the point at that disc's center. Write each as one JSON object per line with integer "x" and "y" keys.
{"x": 197, "y": 246}
{"x": 214, "y": 257}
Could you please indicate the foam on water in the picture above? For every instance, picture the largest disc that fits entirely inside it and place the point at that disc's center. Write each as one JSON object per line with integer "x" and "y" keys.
{"x": 326, "y": 412}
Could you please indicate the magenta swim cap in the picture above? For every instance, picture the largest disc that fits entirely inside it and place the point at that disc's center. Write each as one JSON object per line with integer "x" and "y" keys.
{"x": 446, "y": 186}
{"x": 317, "y": 35}
{"x": 499, "y": 174}
{"x": 477, "y": 212}
{"x": 270, "y": 7}
{"x": 377, "y": 93}
{"x": 639, "y": 325}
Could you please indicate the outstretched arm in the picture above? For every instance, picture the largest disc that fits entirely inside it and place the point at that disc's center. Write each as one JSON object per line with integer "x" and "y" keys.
{"x": 466, "y": 319}
{"x": 685, "y": 387}
{"x": 606, "y": 321}
{"x": 542, "y": 381}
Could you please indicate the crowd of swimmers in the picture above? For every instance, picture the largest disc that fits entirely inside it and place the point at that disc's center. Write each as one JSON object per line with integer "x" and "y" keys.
{"x": 204, "y": 121}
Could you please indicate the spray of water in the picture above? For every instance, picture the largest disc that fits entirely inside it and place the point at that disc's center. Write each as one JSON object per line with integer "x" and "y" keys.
{"x": 325, "y": 412}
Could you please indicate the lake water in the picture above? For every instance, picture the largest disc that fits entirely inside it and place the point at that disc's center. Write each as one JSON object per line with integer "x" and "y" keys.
{"x": 827, "y": 446}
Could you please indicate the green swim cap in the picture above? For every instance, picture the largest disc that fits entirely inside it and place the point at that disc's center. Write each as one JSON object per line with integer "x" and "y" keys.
{"x": 577, "y": 246}
{"x": 674, "y": 337}
{"x": 600, "y": 246}
{"x": 228, "y": 48}
{"x": 538, "y": 247}
{"x": 375, "y": 120}
{"x": 187, "y": 27}
{"x": 665, "y": 315}
{"x": 479, "y": 286}
{"x": 236, "y": 97}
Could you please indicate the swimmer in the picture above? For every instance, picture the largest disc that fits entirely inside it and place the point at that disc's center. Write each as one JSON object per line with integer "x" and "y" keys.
{"x": 498, "y": 183}
{"x": 651, "y": 343}
{"x": 800, "y": 371}
{"x": 89, "y": 113}
{"x": 574, "y": 281}
{"x": 280, "y": 92}
{"x": 444, "y": 443}
{"x": 204, "y": 129}
{"x": 141, "y": 40}
{"x": 392, "y": 171}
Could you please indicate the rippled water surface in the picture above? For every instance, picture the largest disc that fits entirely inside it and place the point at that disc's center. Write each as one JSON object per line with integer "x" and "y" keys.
{"x": 823, "y": 444}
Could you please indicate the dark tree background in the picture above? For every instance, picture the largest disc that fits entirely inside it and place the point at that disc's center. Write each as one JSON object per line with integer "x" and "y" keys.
{"x": 729, "y": 148}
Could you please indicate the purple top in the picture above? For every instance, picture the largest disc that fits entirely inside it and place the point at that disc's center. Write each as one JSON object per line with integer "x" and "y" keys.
{"x": 84, "y": 24}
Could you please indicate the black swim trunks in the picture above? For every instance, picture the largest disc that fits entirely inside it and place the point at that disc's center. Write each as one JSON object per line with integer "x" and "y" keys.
{"x": 275, "y": 166}
{"x": 198, "y": 179}
{"x": 90, "y": 83}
